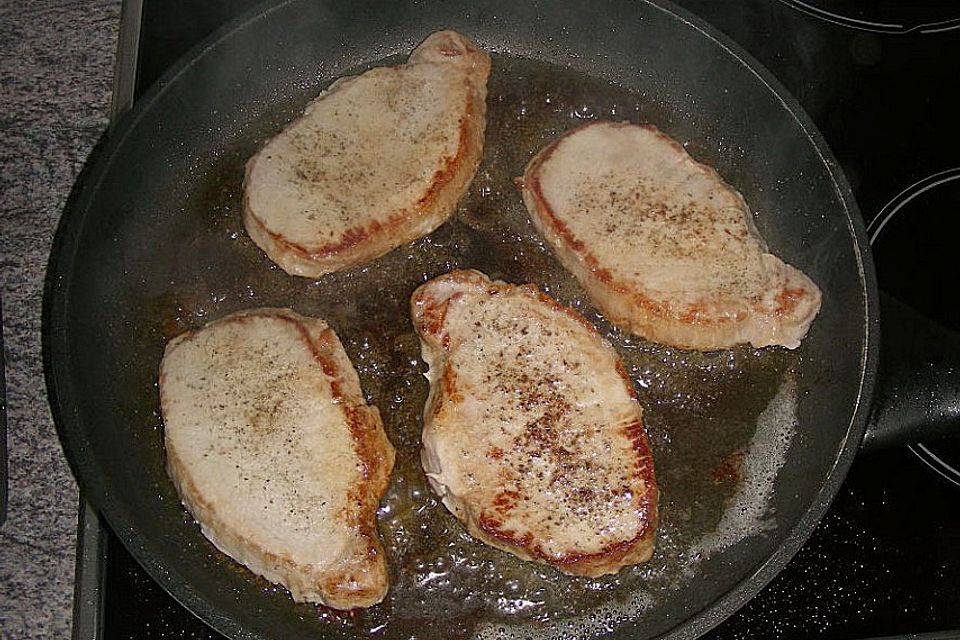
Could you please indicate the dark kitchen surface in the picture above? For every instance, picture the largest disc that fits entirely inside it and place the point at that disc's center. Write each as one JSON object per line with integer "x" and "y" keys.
{"x": 873, "y": 75}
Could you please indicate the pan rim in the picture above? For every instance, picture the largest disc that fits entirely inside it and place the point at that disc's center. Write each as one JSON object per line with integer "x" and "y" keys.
{"x": 53, "y": 330}
{"x": 750, "y": 586}
{"x": 56, "y": 297}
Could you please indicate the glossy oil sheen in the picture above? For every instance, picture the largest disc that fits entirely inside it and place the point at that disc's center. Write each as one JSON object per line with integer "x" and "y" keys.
{"x": 701, "y": 410}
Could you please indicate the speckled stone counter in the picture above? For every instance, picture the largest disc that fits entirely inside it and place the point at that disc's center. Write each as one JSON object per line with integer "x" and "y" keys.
{"x": 56, "y": 71}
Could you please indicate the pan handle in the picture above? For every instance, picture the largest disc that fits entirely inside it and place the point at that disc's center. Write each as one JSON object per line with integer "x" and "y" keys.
{"x": 918, "y": 383}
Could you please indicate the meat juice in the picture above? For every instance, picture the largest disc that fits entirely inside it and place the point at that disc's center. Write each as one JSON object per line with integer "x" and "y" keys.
{"x": 719, "y": 423}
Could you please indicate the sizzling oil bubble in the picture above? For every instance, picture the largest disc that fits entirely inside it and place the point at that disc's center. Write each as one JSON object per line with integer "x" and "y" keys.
{"x": 699, "y": 409}
{"x": 584, "y": 112}
{"x": 601, "y": 620}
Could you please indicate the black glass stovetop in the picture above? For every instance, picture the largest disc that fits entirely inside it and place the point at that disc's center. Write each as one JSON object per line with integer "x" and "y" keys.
{"x": 878, "y": 79}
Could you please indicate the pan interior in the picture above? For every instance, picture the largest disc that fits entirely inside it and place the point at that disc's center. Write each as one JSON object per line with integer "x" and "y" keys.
{"x": 741, "y": 438}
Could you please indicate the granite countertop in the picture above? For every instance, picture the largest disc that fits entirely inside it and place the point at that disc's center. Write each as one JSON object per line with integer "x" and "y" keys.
{"x": 56, "y": 73}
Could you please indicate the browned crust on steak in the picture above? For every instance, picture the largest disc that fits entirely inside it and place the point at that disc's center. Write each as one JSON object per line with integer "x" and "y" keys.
{"x": 490, "y": 511}
{"x": 611, "y": 557}
{"x": 358, "y": 580}
{"x": 705, "y": 324}
{"x": 382, "y": 231}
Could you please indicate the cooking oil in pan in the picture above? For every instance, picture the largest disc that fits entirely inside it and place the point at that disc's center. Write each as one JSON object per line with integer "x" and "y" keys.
{"x": 701, "y": 410}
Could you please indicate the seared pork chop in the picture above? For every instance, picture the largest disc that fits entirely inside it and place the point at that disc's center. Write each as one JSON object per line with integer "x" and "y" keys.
{"x": 664, "y": 247}
{"x": 276, "y": 454}
{"x": 532, "y": 433}
{"x": 375, "y": 161}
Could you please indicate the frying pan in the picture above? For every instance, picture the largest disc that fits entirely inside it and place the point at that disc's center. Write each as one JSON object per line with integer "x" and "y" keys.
{"x": 151, "y": 244}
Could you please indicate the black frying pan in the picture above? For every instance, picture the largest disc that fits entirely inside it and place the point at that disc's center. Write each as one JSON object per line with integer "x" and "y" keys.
{"x": 151, "y": 244}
